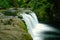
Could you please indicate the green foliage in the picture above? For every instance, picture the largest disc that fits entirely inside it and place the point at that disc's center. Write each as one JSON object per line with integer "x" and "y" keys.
{"x": 42, "y": 8}
{"x": 4, "y": 4}
{"x": 14, "y": 3}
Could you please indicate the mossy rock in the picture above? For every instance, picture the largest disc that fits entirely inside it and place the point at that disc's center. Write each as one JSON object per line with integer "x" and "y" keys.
{"x": 8, "y": 32}
{"x": 16, "y": 30}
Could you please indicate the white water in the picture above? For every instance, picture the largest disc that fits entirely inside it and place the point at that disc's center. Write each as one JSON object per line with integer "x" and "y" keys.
{"x": 35, "y": 28}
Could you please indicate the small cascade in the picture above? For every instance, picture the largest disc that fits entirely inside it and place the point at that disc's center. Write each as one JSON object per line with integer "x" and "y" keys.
{"x": 35, "y": 28}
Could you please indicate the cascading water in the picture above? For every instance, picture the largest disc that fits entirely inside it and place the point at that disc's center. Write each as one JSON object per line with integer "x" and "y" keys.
{"x": 35, "y": 28}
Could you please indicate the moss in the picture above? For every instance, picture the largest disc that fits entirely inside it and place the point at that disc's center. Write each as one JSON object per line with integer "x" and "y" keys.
{"x": 22, "y": 25}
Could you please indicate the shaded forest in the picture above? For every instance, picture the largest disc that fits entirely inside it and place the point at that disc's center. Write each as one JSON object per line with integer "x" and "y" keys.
{"x": 47, "y": 11}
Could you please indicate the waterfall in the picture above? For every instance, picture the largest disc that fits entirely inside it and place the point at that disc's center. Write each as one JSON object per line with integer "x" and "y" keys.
{"x": 35, "y": 28}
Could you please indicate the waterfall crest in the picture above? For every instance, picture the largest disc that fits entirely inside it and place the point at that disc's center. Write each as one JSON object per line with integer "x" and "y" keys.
{"x": 35, "y": 28}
